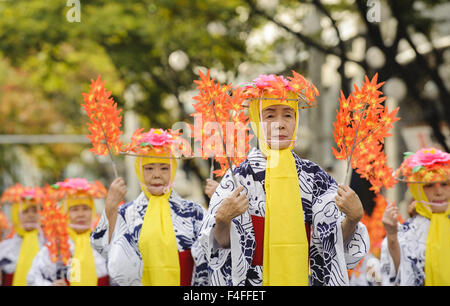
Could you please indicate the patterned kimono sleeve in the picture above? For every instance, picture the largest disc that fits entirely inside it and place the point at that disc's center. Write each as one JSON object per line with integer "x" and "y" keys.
{"x": 200, "y": 275}
{"x": 227, "y": 266}
{"x": 330, "y": 268}
{"x": 389, "y": 276}
{"x": 42, "y": 271}
{"x": 124, "y": 259}
{"x": 100, "y": 236}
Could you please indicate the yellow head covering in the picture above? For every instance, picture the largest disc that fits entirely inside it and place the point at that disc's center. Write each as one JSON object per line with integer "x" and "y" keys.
{"x": 83, "y": 268}
{"x": 285, "y": 254}
{"x": 29, "y": 247}
{"x": 157, "y": 241}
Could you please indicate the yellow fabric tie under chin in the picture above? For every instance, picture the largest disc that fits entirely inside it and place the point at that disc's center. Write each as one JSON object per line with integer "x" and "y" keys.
{"x": 83, "y": 271}
{"x": 285, "y": 254}
{"x": 157, "y": 241}
{"x": 28, "y": 249}
{"x": 437, "y": 249}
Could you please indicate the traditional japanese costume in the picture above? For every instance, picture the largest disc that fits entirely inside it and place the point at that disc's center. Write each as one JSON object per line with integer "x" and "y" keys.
{"x": 155, "y": 237}
{"x": 291, "y": 234}
{"x": 424, "y": 239}
{"x": 18, "y": 252}
{"x": 86, "y": 267}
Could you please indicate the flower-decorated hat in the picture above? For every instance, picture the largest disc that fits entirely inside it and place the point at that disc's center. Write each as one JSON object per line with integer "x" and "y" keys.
{"x": 76, "y": 191}
{"x": 22, "y": 198}
{"x": 157, "y": 143}
{"x": 428, "y": 165}
{"x": 273, "y": 87}
{"x": 21, "y": 194}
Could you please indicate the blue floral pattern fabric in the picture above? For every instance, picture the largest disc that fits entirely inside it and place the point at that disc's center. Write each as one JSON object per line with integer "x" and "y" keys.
{"x": 122, "y": 253}
{"x": 412, "y": 238}
{"x": 329, "y": 256}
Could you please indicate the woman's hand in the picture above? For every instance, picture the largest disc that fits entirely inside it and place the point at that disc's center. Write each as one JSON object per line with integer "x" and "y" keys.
{"x": 116, "y": 194}
{"x": 349, "y": 203}
{"x": 390, "y": 218}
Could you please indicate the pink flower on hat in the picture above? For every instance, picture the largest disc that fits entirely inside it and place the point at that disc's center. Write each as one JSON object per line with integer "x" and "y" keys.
{"x": 427, "y": 157}
{"x": 157, "y": 137}
{"x": 30, "y": 193}
{"x": 265, "y": 80}
{"x": 75, "y": 184}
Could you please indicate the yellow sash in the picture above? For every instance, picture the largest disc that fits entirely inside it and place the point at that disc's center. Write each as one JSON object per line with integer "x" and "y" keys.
{"x": 285, "y": 254}
{"x": 157, "y": 241}
{"x": 83, "y": 269}
{"x": 28, "y": 249}
{"x": 437, "y": 249}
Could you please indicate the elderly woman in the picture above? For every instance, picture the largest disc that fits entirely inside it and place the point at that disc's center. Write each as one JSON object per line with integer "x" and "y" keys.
{"x": 85, "y": 266}
{"x": 152, "y": 241}
{"x": 278, "y": 222}
{"x": 417, "y": 252}
{"x": 18, "y": 252}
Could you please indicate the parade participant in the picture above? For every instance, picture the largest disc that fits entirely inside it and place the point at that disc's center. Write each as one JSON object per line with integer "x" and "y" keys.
{"x": 85, "y": 267}
{"x": 286, "y": 222}
{"x": 152, "y": 240}
{"x": 18, "y": 252}
{"x": 416, "y": 253}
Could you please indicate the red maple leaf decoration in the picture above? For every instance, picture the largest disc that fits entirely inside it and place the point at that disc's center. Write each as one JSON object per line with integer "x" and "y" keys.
{"x": 220, "y": 118}
{"x": 105, "y": 119}
{"x": 54, "y": 226}
{"x": 361, "y": 126}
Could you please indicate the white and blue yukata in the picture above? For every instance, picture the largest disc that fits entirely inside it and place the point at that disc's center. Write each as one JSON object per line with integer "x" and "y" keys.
{"x": 9, "y": 255}
{"x": 241, "y": 264}
{"x": 412, "y": 238}
{"x": 44, "y": 272}
{"x": 125, "y": 263}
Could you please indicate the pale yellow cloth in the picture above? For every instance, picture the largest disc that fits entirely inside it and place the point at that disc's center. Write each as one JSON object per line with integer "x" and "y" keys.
{"x": 157, "y": 241}
{"x": 83, "y": 269}
{"x": 437, "y": 249}
{"x": 285, "y": 254}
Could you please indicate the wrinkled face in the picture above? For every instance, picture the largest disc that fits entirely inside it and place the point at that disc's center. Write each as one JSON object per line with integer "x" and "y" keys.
{"x": 279, "y": 125}
{"x": 156, "y": 177}
{"x": 437, "y": 193}
{"x": 29, "y": 218}
{"x": 81, "y": 217}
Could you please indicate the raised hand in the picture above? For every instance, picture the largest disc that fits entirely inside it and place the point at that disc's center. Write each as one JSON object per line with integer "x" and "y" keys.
{"x": 390, "y": 218}
{"x": 234, "y": 205}
{"x": 116, "y": 194}
{"x": 349, "y": 203}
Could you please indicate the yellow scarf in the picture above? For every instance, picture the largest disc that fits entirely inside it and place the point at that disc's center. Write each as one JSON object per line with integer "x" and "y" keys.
{"x": 437, "y": 249}
{"x": 28, "y": 249}
{"x": 83, "y": 268}
{"x": 285, "y": 254}
{"x": 157, "y": 241}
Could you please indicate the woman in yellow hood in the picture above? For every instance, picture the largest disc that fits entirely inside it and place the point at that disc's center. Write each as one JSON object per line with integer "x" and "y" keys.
{"x": 85, "y": 266}
{"x": 152, "y": 241}
{"x": 417, "y": 252}
{"x": 283, "y": 224}
{"x": 18, "y": 252}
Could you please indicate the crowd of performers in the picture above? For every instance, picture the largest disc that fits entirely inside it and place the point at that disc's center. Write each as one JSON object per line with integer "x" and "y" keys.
{"x": 275, "y": 219}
